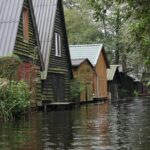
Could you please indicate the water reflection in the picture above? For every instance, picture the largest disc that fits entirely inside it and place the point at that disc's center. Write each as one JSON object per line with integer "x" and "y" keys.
{"x": 57, "y": 130}
{"x": 91, "y": 127}
{"x": 128, "y": 123}
{"x": 120, "y": 126}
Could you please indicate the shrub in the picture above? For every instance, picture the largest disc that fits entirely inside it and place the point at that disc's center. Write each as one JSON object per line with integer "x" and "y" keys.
{"x": 76, "y": 88}
{"x": 9, "y": 66}
{"x": 14, "y": 98}
{"x": 135, "y": 93}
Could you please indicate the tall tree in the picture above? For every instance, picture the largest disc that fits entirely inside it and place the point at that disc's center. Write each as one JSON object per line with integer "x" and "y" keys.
{"x": 81, "y": 27}
{"x": 136, "y": 34}
{"x": 111, "y": 14}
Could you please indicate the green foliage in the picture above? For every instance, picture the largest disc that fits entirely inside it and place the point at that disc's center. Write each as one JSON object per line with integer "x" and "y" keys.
{"x": 135, "y": 93}
{"x": 136, "y": 35}
{"x": 14, "y": 98}
{"x": 80, "y": 25}
{"x": 9, "y": 66}
{"x": 111, "y": 16}
{"x": 76, "y": 88}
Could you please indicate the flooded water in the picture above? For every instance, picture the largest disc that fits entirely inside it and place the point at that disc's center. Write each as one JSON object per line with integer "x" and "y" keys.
{"x": 123, "y": 126}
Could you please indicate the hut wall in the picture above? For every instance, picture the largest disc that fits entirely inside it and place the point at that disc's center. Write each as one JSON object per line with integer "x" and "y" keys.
{"x": 85, "y": 74}
{"x": 101, "y": 70}
{"x": 113, "y": 86}
{"x": 26, "y": 49}
{"x": 126, "y": 87}
{"x": 30, "y": 73}
{"x": 113, "y": 89}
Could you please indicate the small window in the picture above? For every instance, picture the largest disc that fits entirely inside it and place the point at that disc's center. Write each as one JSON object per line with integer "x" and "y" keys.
{"x": 25, "y": 24}
{"x": 57, "y": 45}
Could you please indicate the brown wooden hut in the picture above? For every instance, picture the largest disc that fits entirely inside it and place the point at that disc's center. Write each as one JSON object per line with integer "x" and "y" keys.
{"x": 57, "y": 76}
{"x": 19, "y": 36}
{"x": 96, "y": 54}
{"x": 84, "y": 72}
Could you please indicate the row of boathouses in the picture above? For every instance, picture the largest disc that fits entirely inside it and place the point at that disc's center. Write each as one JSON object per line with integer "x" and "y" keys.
{"x": 35, "y": 31}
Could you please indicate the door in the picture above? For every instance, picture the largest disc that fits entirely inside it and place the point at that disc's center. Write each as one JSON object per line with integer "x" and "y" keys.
{"x": 89, "y": 91}
{"x": 58, "y": 86}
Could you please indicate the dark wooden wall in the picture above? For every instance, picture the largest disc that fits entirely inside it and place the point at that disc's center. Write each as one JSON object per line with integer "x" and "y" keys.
{"x": 113, "y": 85}
{"x": 126, "y": 87}
{"x": 27, "y": 52}
{"x": 58, "y": 65}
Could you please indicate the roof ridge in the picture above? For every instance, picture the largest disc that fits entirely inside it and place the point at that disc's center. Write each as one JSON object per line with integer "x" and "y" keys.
{"x": 79, "y": 59}
{"x": 115, "y": 65}
{"x": 82, "y": 45}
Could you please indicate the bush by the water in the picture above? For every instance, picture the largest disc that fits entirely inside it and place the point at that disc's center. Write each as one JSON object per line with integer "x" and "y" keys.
{"x": 14, "y": 98}
{"x": 76, "y": 88}
{"x": 9, "y": 66}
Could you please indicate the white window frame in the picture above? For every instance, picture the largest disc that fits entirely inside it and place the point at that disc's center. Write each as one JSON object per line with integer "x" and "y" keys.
{"x": 58, "y": 45}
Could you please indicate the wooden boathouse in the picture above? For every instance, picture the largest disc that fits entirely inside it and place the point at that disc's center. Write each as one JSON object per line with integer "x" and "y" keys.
{"x": 84, "y": 72}
{"x": 19, "y": 36}
{"x": 96, "y": 55}
{"x": 56, "y": 78}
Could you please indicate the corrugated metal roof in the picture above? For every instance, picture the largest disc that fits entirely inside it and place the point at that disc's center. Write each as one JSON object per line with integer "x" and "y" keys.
{"x": 90, "y": 51}
{"x": 111, "y": 72}
{"x": 45, "y": 12}
{"x": 77, "y": 62}
{"x": 10, "y": 11}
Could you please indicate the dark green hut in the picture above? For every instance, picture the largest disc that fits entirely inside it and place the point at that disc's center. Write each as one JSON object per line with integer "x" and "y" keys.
{"x": 126, "y": 87}
{"x": 55, "y": 52}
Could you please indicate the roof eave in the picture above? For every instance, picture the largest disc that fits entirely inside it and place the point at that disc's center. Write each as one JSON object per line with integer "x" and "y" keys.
{"x": 37, "y": 35}
{"x": 105, "y": 57}
{"x": 68, "y": 51}
{"x": 102, "y": 49}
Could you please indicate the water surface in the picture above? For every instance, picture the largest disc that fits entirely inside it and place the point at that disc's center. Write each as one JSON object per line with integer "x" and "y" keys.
{"x": 116, "y": 126}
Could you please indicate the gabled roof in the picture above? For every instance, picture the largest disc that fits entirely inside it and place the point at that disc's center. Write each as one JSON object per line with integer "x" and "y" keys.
{"x": 45, "y": 12}
{"x": 78, "y": 62}
{"x": 111, "y": 72}
{"x": 10, "y": 13}
{"x": 90, "y": 51}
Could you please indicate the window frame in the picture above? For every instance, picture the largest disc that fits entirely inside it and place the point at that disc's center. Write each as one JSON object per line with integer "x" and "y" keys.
{"x": 58, "y": 45}
{"x": 25, "y": 24}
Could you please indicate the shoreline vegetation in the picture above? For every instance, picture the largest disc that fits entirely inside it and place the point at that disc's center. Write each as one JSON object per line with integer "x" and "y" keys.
{"x": 14, "y": 93}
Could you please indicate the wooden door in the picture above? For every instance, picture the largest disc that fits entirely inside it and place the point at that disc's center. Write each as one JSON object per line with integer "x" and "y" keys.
{"x": 58, "y": 86}
{"x": 89, "y": 91}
